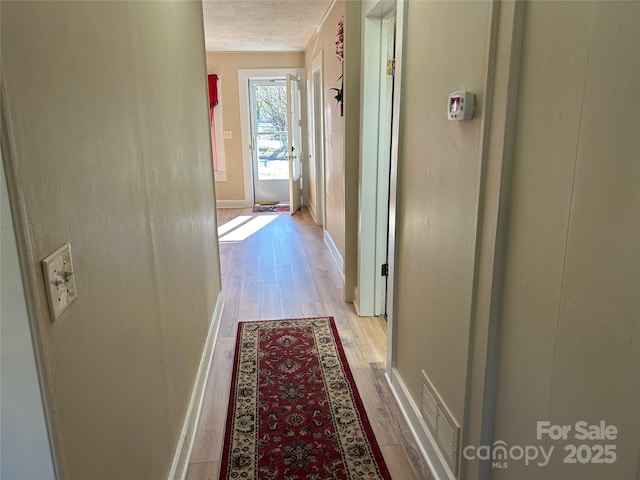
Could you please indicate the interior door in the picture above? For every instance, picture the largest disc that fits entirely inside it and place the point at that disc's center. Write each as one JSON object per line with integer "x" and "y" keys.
{"x": 270, "y": 146}
{"x": 387, "y": 59}
{"x": 294, "y": 130}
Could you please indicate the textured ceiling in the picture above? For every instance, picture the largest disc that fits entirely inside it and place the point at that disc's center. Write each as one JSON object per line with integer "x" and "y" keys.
{"x": 261, "y": 25}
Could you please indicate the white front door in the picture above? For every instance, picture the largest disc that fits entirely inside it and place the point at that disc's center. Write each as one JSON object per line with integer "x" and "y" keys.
{"x": 269, "y": 140}
{"x": 294, "y": 130}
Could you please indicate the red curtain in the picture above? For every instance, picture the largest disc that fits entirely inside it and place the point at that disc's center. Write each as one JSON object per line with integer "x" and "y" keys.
{"x": 213, "y": 101}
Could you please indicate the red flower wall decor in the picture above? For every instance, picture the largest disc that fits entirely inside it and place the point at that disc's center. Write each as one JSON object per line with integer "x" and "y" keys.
{"x": 340, "y": 40}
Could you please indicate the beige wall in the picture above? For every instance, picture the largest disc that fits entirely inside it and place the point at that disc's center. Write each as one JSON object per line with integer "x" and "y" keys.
{"x": 570, "y": 326}
{"x": 226, "y": 64}
{"x": 565, "y": 302}
{"x": 110, "y": 151}
{"x": 438, "y": 181}
{"x": 324, "y": 40}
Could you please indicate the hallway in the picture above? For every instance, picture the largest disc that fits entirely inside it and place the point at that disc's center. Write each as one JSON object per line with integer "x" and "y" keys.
{"x": 284, "y": 270}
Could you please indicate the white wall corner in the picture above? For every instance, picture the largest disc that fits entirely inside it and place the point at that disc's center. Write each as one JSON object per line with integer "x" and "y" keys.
{"x": 182, "y": 454}
{"x": 335, "y": 253}
{"x": 426, "y": 443}
{"x": 356, "y": 300}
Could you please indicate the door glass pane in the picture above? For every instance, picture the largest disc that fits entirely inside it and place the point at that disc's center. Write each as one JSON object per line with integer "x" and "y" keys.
{"x": 271, "y": 131}
{"x": 273, "y": 163}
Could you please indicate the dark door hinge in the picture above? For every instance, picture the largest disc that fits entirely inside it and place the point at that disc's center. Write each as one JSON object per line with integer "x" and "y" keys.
{"x": 384, "y": 271}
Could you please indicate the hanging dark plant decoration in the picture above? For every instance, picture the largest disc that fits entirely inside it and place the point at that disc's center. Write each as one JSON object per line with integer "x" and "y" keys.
{"x": 340, "y": 55}
{"x": 338, "y": 95}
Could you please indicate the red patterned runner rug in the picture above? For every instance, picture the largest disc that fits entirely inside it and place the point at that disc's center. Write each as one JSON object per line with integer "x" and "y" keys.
{"x": 294, "y": 411}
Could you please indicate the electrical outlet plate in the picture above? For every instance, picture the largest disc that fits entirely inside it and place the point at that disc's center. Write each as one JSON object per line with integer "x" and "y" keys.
{"x": 227, "y": 134}
{"x": 60, "y": 281}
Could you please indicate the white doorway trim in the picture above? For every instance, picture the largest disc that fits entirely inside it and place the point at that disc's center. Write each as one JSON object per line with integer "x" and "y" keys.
{"x": 243, "y": 95}
{"x": 375, "y": 161}
{"x": 316, "y": 139}
{"x": 381, "y": 10}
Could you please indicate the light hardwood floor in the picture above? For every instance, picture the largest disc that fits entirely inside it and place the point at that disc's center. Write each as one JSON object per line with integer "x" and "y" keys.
{"x": 284, "y": 270}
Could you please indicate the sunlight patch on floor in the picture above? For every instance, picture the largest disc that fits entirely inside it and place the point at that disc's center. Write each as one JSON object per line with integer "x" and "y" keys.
{"x": 231, "y": 224}
{"x": 247, "y": 228}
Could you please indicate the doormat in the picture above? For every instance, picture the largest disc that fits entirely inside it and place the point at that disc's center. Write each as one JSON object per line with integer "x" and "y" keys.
{"x": 294, "y": 411}
{"x": 278, "y": 207}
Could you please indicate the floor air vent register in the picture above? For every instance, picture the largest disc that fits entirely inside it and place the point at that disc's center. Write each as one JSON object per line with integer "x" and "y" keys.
{"x": 443, "y": 427}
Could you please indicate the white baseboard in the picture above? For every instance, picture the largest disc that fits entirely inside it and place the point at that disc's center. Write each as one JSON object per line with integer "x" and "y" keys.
{"x": 426, "y": 443}
{"x": 335, "y": 253}
{"x": 187, "y": 436}
{"x": 233, "y": 204}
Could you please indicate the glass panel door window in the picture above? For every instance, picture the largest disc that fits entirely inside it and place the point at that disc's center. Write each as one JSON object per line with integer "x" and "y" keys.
{"x": 271, "y": 131}
{"x": 270, "y": 140}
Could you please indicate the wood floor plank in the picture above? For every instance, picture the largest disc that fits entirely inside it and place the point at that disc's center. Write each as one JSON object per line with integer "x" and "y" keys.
{"x": 269, "y": 302}
{"x": 203, "y": 471}
{"x": 250, "y": 289}
{"x": 231, "y": 285}
{"x": 268, "y": 273}
{"x": 235, "y": 262}
{"x": 225, "y": 256}
{"x": 251, "y": 263}
{"x": 397, "y": 464}
{"x": 289, "y": 308}
{"x": 207, "y": 446}
{"x": 248, "y": 310}
{"x": 285, "y": 270}
{"x": 311, "y": 309}
{"x": 307, "y": 291}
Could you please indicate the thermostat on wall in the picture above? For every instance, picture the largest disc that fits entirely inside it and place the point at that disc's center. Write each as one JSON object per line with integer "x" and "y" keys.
{"x": 461, "y": 105}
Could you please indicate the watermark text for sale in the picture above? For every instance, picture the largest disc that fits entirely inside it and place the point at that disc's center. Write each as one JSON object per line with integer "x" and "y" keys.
{"x": 588, "y": 444}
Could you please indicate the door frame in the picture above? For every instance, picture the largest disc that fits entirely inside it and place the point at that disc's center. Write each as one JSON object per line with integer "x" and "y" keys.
{"x": 243, "y": 96}
{"x": 380, "y": 10}
{"x": 376, "y": 165}
{"x": 316, "y": 134}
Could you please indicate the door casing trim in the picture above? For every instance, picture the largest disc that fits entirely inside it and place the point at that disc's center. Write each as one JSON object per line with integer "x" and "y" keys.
{"x": 243, "y": 96}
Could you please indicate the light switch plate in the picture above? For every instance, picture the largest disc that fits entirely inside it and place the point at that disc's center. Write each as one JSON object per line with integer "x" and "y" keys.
{"x": 60, "y": 281}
